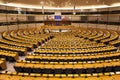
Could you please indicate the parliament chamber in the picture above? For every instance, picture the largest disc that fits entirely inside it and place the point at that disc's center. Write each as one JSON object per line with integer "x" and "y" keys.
{"x": 59, "y": 40}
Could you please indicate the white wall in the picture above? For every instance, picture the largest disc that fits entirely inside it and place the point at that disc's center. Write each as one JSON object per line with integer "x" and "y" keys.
{"x": 22, "y": 17}
{"x": 11, "y": 17}
{"x": 39, "y": 17}
{"x": 101, "y": 26}
{"x": 114, "y": 18}
{"x": 2, "y": 17}
{"x": 75, "y": 18}
{"x": 3, "y": 28}
{"x": 13, "y": 27}
{"x": 76, "y": 24}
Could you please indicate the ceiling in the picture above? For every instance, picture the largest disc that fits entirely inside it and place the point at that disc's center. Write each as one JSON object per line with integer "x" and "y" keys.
{"x": 61, "y": 3}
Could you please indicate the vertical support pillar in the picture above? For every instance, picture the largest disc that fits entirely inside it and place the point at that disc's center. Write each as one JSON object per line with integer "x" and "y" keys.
{"x": 26, "y": 19}
{"x": 17, "y": 21}
{"x": 7, "y": 20}
{"x": 107, "y": 19}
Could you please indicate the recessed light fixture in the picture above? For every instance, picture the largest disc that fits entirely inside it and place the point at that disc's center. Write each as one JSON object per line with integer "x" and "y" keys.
{"x": 41, "y": 2}
{"x": 69, "y": 4}
{"x": 103, "y": 2}
{"x": 87, "y": 2}
{"x": 98, "y": 0}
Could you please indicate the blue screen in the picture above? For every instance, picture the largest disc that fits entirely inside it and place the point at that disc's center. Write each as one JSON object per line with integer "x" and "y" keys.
{"x": 57, "y": 17}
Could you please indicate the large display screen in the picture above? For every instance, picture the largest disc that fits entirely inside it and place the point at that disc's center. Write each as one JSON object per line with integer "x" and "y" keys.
{"x": 57, "y": 17}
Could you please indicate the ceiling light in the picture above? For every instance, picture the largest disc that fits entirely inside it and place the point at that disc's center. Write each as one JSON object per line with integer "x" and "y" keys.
{"x": 98, "y": 0}
{"x": 69, "y": 4}
{"x": 87, "y": 2}
{"x": 41, "y": 2}
{"x": 103, "y": 3}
